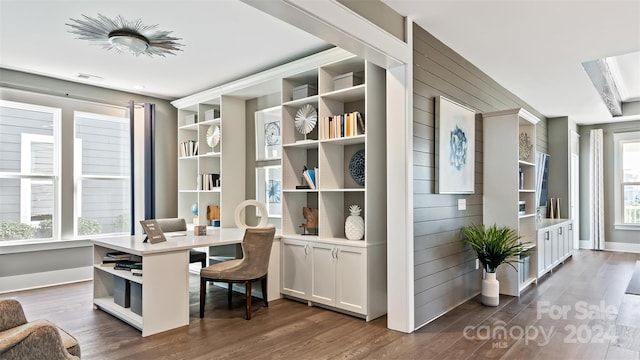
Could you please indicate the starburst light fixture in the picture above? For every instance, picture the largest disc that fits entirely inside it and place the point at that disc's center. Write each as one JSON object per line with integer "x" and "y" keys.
{"x": 122, "y": 35}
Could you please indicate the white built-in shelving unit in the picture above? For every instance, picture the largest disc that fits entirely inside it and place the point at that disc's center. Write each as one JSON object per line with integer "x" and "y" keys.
{"x": 505, "y": 132}
{"x": 324, "y": 268}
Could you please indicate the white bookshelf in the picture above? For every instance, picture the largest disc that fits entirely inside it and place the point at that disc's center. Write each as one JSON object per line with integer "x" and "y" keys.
{"x": 502, "y": 190}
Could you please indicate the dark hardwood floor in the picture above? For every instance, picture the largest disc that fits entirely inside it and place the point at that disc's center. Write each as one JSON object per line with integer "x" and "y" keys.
{"x": 599, "y": 321}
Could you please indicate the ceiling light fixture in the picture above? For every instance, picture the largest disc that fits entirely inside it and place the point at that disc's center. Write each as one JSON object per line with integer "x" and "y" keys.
{"x": 125, "y": 36}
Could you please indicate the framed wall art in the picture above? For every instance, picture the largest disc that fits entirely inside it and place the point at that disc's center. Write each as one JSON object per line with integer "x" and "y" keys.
{"x": 455, "y": 147}
{"x": 269, "y": 189}
{"x": 268, "y": 134}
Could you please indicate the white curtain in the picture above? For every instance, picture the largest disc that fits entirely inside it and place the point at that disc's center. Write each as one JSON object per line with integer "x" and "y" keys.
{"x": 596, "y": 190}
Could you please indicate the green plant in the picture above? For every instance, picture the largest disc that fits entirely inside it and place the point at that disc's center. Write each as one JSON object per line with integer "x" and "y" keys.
{"x": 494, "y": 245}
{"x": 122, "y": 222}
{"x": 45, "y": 229}
{"x": 88, "y": 226}
{"x": 14, "y": 230}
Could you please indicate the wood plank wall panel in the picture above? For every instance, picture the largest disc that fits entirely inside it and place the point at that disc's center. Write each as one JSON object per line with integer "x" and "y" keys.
{"x": 444, "y": 269}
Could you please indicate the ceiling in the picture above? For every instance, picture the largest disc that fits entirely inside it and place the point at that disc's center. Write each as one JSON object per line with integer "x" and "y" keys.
{"x": 532, "y": 48}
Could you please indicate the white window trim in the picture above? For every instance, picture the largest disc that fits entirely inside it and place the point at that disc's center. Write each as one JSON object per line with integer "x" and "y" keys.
{"x": 618, "y": 140}
{"x": 55, "y": 176}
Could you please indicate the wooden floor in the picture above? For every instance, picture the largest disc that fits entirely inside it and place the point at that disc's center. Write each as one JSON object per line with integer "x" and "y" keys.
{"x": 520, "y": 328}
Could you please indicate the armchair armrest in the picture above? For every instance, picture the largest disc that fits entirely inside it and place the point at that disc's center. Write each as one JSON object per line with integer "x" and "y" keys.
{"x": 38, "y": 339}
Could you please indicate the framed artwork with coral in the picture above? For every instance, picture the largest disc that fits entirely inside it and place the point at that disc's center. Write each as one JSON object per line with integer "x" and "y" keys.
{"x": 269, "y": 189}
{"x": 455, "y": 147}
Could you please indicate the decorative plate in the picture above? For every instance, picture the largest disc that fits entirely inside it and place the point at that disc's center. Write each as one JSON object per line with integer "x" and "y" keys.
{"x": 213, "y": 135}
{"x": 526, "y": 148}
{"x": 306, "y": 119}
{"x": 356, "y": 167}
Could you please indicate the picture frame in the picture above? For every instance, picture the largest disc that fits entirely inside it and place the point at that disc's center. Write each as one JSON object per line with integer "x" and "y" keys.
{"x": 268, "y": 134}
{"x": 455, "y": 147}
{"x": 269, "y": 189}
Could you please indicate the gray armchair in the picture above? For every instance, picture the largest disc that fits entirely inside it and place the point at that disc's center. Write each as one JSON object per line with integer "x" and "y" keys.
{"x": 40, "y": 339}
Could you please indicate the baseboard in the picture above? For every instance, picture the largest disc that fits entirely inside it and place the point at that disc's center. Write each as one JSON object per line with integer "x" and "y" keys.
{"x": 585, "y": 244}
{"x": 446, "y": 311}
{"x": 622, "y": 247}
{"x": 44, "y": 279}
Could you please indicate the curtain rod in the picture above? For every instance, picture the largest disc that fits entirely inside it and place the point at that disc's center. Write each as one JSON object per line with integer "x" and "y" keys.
{"x": 64, "y": 94}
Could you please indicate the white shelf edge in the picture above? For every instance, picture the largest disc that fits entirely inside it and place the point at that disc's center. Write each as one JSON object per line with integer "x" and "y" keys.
{"x": 310, "y": 144}
{"x": 526, "y": 190}
{"x": 345, "y": 140}
{"x": 108, "y": 268}
{"x": 522, "y": 162}
{"x": 532, "y": 246}
{"x": 190, "y": 127}
{"x": 188, "y": 157}
{"x": 298, "y": 102}
{"x": 299, "y": 190}
{"x": 526, "y": 216}
{"x": 211, "y": 154}
{"x": 344, "y": 190}
{"x": 356, "y": 90}
{"x": 210, "y": 122}
{"x": 125, "y": 314}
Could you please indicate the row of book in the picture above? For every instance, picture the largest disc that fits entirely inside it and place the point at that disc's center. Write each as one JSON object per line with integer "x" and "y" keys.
{"x": 208, "y": 181}
{"x": 310, "y": 176}
{"x": 188, "y": 148}
{"x": 343, "y": 125}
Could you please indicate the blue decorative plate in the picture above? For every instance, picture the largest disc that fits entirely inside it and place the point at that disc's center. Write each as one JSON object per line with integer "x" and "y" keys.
{"x": 356, "y": 167}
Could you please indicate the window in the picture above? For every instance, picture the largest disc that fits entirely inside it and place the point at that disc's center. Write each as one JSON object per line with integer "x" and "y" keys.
{"x": 627, "y": 180}
{"x": 102, "y": 175}
{"x": 29, "y": 171}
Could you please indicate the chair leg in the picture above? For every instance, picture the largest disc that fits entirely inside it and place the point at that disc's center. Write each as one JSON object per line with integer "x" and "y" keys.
{"x": 203, "y": 289}
{"x": 204, "y": 263}
{"x": 264, "y": 291}
{"x": 229, "y": 292}
{"x": 248, "y": 291}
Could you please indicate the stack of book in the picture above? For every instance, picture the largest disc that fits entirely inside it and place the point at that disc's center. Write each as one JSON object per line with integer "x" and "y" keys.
{"x": 128, "y": 265}
{"x": 309, "y": 176}
{"x": 113, "y": 257}
{"x": 342, "y": 125}
{"x": 208, "y": 181}
{"x": 188, "y": 148}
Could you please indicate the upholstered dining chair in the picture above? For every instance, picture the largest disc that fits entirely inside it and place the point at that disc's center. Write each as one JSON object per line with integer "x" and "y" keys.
{"x": 179, "y": 224}
{"x": 256, "y": 249}
{"x": 39, "y": 339}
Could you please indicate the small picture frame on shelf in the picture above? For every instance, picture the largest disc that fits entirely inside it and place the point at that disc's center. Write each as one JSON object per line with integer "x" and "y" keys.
{"x": 268, "y": 134}
{"x": 269, "y": 189}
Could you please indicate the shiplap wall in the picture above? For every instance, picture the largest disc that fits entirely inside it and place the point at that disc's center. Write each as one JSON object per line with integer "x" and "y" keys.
{"x": 444, "y": 270}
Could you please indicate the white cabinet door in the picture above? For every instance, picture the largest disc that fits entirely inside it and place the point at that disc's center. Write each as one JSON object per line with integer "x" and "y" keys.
{"x": 351, "y": 275}
{"x": 562, "y": 234}
{"x": 568, "y": 240}
{"x": 541, "y": 246}
{"x": 548, "y": 253}
{"x": 555, "y": 239}
{"x": 295, "y": 277}
{"x": 323, "y": 273}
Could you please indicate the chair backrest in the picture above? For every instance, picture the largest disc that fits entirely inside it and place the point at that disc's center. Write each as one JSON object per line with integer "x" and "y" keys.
{"x": 172, "y": 224}
{"x": 256, "y": 247}
{"x": 11, "y": 314}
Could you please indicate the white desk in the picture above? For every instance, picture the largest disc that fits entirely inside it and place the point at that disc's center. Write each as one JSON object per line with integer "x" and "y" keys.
{"x": 165, "y": 279}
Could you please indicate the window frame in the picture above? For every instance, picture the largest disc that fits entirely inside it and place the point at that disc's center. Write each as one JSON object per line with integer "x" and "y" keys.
{"x": 78, "y": 176}
{"x": 27, "y": 178}
{"x": 618, "y": 140}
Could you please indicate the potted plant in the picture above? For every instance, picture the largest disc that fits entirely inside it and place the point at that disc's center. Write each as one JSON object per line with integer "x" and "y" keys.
{"x": 494, "y": 246}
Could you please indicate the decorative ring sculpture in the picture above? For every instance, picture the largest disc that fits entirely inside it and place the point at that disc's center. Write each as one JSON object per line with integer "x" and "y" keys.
{"x": 240, "y": 208}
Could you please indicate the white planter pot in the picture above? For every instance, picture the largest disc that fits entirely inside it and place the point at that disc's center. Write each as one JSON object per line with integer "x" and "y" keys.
{"x": 490, "y": 290}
